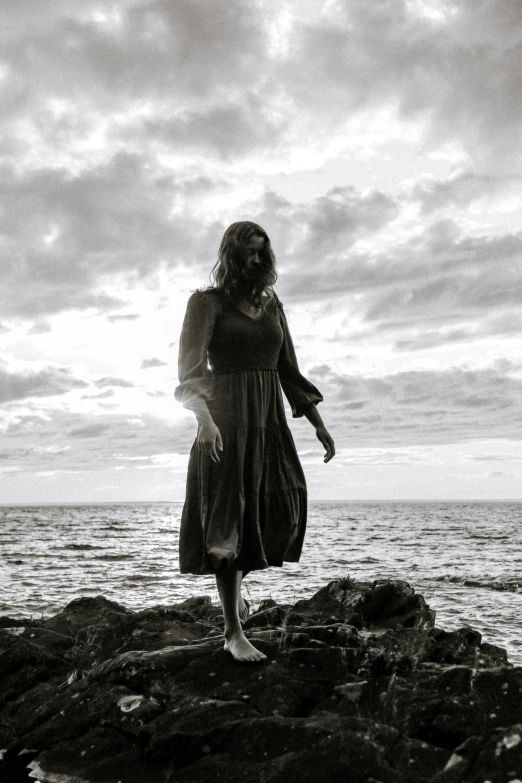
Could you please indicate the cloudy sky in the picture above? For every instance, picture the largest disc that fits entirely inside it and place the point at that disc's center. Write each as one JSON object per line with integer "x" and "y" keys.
{"x": 379, "y": 145}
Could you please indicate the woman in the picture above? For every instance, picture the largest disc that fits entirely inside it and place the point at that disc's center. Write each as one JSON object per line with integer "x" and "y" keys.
{"x": 246, "y": 499}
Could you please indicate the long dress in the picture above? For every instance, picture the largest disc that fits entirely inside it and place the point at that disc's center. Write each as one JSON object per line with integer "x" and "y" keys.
{"x": 248, "y": 511}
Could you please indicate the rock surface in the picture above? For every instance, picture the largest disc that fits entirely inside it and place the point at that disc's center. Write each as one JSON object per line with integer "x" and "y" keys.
{"x": 359, "y": 685}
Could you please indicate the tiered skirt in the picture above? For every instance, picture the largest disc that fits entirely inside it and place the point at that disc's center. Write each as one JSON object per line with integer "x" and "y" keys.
{"x": 248, "y": 511}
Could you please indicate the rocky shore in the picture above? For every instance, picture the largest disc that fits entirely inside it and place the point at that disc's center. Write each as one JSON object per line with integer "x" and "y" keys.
{"x": 359, "y": 686}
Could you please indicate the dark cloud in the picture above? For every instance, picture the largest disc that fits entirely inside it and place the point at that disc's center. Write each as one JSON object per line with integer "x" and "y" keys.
{"x": 120, "y": 123}
{"x": 124, "y": 317}
{"x": 497, "y": 457}
{"x": 417, "y": 407}
{"x": 335, "y": 221}
{"x": 458, "y": 76}
{"x": 101, "y": 383}
{"x": 226, "y": 131}
{"x": 142, "y": 48}
{"x": 434, "y": 338}
{"x": 207, "y": 80}
{"x": 461, "y": 191}
{"x": 40, "y": 327}
{"x": 182, "y": 55}
{"x": 101, "y": 396}
{"x": 319, "y": 234}
{"x": 506, "y": 325}
{"x": 48, "y": 382}
{"x": 90, "y": 430}
{"x": 436, "y": 274}
{"x": 153, "y": 362}
{"x": 202, "y": 79}
{"x": 79, "y": 441}
{"x": 114, "y": 219}
{"x": 466, "y": 276}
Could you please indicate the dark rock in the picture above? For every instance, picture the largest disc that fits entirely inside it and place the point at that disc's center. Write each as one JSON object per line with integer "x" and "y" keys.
{"x": 331, "y": 603}
{"x": 267, "y": 603}
{"x": 394, "y": 603}
{"x": 358, "y": 685}
{"x": 271, "y": 616}
{"x": 464, "y": 646}
{"x": 24, "y": 663}
{"x": 497, "y": 758}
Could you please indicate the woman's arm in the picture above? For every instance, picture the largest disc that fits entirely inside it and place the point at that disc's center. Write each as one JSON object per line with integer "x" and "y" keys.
{"x": 302, "y": 395}
{"x": 314, "y": 417}
{"x": 196, "y": 380}
{"x": 299, "y": 391}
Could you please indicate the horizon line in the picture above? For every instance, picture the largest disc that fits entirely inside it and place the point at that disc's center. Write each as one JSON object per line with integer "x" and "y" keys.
{"x": 311, "y": 500}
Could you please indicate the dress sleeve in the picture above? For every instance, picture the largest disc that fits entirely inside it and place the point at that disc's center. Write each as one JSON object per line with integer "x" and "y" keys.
{"x": 196, "y": 379}
{"x": 299, "y": 391}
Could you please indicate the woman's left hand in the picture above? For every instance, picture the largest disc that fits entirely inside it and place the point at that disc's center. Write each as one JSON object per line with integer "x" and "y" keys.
{"x": 326, "y": 439}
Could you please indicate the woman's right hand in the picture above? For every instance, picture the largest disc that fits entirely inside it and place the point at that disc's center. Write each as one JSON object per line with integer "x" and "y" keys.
{"x": 209, "y": 440}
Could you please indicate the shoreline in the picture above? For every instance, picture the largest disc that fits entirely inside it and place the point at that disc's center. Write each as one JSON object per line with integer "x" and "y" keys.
{"x": 311, "y": 500}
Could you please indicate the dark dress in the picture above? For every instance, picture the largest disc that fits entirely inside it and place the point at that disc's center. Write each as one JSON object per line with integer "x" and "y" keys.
{"x": 248, "y": 511}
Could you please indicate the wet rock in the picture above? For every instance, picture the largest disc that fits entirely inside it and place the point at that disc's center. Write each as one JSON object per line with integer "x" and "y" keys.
{"x": 395, "y": 603}
{"x": 496, "y": 758}
{"x": 25, "y": 662}
{"x": 464, "y": 646}
{"x": 358, "y": 685}
{"x": 332, "y": 603}
{"x": 270, "y": 617}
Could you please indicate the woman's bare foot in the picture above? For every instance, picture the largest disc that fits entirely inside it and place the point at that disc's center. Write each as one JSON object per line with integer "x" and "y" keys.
{"x": 243, "y": 608}
{"x": 240, "y": 648}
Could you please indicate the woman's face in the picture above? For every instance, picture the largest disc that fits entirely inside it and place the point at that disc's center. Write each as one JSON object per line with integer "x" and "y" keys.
{"x": 254, "y": 261}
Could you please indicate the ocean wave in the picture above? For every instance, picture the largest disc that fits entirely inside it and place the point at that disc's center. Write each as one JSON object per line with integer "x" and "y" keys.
{"x": 508, "y": 584}
{"x": 81, "y": 546}
{"x": 488, "y": 537}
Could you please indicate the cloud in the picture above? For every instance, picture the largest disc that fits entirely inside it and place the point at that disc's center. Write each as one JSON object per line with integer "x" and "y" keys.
{"x": 48, "y": 382}
{"x": 40, "y": 327}
{"x": 80, "y": 67}
{"x": 240, "y": 81}
{"x": 140, "y": 111}
{"x": 83, "y": 441}
{"x": 373, "y": 258}
{"x": 422, "y": 406}
{"x": 153, "y": 362}
{"x": 508, "y": 324}
{"x": 90, "y": 430}
{"x": 80, "y": 231}
{"x": 456, "y": 76}
{"x": 101, "y": 383}
{"x": 465, "y": 189}
{"x": 123, "y": 317}
{"x": 342, "y": 216}
{"x": 132, "y": 134}
{"x": 447, "y": 279}
{"x": 226, "y": 131}
{"x": 101, "y": 396}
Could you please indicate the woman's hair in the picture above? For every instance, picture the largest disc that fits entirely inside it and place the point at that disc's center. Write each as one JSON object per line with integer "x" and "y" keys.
{"x": 229, "y": 276}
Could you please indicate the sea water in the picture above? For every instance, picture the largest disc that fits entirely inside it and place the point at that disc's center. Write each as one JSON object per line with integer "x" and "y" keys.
{"x": 465, "y": 558}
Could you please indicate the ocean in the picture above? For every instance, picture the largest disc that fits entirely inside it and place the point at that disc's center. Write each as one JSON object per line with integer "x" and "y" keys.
{"x": 464, "y": 557}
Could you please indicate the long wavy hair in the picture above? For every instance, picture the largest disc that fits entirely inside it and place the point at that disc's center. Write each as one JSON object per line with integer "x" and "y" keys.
{"x": 229, "y": 275}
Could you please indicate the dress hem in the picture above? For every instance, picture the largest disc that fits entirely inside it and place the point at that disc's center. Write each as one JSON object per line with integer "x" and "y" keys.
{"x": 239, "y": 568}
